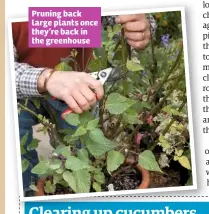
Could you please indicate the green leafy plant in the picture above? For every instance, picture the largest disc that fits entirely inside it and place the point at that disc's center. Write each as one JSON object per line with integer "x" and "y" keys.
{"x": 148, "y": 99}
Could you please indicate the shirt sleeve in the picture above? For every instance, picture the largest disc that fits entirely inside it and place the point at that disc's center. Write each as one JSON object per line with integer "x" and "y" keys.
{"x": 153, "y": 23}
{"x": 26, "y": 78}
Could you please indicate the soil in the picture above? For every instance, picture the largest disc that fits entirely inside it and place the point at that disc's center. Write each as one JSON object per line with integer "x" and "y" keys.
{"x": 60, "y": 190}
{"x": 127, "y": 180}
{"x": 171, "y": 178}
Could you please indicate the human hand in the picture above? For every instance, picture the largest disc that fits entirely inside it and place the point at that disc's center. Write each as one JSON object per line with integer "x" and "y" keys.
{"x": 136, "y": 29}
{"x": 75, "y": 89}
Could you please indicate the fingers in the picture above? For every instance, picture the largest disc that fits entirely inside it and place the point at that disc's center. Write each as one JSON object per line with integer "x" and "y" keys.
{"x": 81, "y": 100}
{"x": 128, "y": 18}
{"x": 138, "y": 44}
{"x": 88, "y": 94}
{"x": 135, "y": 36}
{"x": 96, "y": 86}
{"x": 135, "y": 26}
{"x": 73, "y": 105}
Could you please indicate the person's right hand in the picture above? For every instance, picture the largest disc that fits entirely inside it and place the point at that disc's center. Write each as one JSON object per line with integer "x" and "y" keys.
{"x": 75, "y": 89}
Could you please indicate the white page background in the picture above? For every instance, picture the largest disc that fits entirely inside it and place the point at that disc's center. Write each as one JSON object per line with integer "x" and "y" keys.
{"x": 19, "y": 9}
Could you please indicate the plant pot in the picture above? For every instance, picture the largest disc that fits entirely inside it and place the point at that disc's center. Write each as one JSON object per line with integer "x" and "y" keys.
{"x": 40, "y": 187}
{"x": 144, "y": 174}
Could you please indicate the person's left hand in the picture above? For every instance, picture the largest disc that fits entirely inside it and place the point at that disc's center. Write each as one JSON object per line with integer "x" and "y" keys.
{"x": 136, "y": 29}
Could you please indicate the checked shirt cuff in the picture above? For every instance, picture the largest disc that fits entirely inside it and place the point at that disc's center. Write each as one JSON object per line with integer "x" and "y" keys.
{"x": 26, "y": 80}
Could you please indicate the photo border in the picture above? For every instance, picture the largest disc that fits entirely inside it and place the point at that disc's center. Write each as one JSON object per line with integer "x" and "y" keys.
{"x": 122, "y": 192}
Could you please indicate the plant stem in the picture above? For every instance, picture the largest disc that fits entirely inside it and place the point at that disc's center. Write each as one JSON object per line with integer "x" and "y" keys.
{"x": 176, "y": 63}
{"x": 159, "y": 105}
{"x": 51, "y": 131}
{"x": 154, "y": 62}
{"x": 123, "y": 51}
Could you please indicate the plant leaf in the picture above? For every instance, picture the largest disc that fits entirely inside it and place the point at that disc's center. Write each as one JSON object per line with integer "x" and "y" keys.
{"x": 41, "y": 168}
{"x": 55, "y": 164}
{"x": 63, "y": 150}
{"x": 69, "y": 178}
{"x": 131, "y": 117}
{"x": 49, "y": 187}
{"x": 97, "y": 143}
{"x": 147, "y": 161}
{"x": 189, "y": 181}
{"x": 114, "y": 160}
{"x": 63, "y": 66}
{"x": 57, "y": 178}
{"x": 33, "y": 145}
{"x": 36, "y": 102}
{"x": 97, "y": 187}
{"x": 83, "y": 155}
{"x": 60, "y": 171}
{"x": 85, "y": 118}
{"x": 183, "y": 160}
{"x": 133, "y": 66}
{"x": 83, "y": 181}
{"x": 117, "y": 104}
{"x": 75, "y": 164}
{"x": 25, "y": 165}
{"x": 24, "y": 139}
{"x": 99, "y": 177}
{"x": 79, "y": 132}
{"x": 33, "y": 187}
{"x": 72, "y": 119}
{"x": 163, "y": 142}
{"x": 92, "y": 124}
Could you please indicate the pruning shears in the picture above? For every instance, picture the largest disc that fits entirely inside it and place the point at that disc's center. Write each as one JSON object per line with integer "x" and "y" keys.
{"x": 108, "y": 74}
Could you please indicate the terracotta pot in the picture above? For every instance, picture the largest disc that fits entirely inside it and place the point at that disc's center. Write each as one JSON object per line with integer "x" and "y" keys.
{"x": 40, "y": 187}
{"x": 144, "y": 174}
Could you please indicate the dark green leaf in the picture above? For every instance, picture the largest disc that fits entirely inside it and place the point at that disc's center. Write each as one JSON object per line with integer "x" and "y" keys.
{"x": 25, "y": 165}
{"x": 24, "y": 139}
{"x": 33, "y": 145}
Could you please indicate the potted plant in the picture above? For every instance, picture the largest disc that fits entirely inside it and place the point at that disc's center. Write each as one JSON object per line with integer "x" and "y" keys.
{"x": 137, "y": 129}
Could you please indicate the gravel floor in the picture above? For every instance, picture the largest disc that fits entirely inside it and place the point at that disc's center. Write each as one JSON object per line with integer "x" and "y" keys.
{"x": 44, "y": 149}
